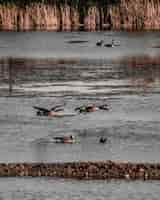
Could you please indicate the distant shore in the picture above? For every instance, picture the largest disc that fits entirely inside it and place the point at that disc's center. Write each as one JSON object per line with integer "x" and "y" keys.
{"x": 120, "y": 15}
{"x": 84, "y": 170}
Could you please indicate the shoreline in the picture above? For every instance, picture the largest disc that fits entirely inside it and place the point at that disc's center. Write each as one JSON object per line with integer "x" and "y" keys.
{"x": 98, "y": 170}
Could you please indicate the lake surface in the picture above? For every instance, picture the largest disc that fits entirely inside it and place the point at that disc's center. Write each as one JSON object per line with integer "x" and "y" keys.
{"x": 45, "y": 69}
{"x": 45, "y": 188}
{"x": 57, "y": 44}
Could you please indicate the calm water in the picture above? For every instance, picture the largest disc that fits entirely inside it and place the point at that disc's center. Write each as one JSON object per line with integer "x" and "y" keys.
{"x": 51, "y": 44}
{"x": 126, "y": 77}
{"x": 18, "y": 189}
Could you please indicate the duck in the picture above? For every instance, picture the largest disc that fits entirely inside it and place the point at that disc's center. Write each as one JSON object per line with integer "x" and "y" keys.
{"x": 102, "y": 140}
{"x": 91, "y": 108}
{"x": 65, "y": 139}
{"x": 99, "y": 43}
{"x": 54, "y": 111}
{"x": 112, "y": 44}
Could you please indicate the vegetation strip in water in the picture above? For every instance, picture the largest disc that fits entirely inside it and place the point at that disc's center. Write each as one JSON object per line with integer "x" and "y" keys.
{"x": 84, "y": 170}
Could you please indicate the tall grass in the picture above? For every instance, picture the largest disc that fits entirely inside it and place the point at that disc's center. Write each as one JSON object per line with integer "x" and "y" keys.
{"x": 79, "y": 14}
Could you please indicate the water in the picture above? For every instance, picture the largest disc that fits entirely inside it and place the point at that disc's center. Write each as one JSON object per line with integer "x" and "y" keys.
{"x": 17, "y": 189}
{"x": 124, "y": 77}
{"x": 56, "y": 44}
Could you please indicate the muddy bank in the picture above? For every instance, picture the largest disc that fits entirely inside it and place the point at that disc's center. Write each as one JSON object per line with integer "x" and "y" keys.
{"x": 84, "y": 170}
{"x": 124, "y": 14}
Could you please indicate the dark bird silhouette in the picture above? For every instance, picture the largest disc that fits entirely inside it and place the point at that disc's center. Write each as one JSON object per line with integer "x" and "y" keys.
{"x": 64, "y": 139}
{"x": 109, "y": 44}
{"x": 46, "y": 112}
{"x": 99, "y": 42}
{"x": 103, "y": 107}
{"x": 91, "y": 108}
{"x": 102, "y": 140}
{"x": 112, "y": 44}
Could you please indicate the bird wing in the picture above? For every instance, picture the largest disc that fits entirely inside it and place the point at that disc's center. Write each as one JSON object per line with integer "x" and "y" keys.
{"x": 80, "y": 109}
{"x": 40, "y": 108}
{"x": 77, "y": 108}
{"x": 58, "y": 109}
{"x": 104, "y": 107}
{"x": 55, "y": 108}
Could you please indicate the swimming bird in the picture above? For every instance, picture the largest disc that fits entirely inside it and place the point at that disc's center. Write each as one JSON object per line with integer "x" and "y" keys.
{"x": 54, "y": 111}
{"x": 112, "y": 44}
{"x": 102, "y": 140}
{"x": 99, "y": 42}
{"x": 91, "y": 108}
{"x": 65, "y": 139}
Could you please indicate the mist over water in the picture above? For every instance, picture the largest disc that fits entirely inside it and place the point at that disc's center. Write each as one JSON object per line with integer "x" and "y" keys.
{"x": 44, "y": 69}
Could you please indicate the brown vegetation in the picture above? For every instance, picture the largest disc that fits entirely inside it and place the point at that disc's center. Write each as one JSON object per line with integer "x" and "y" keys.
{"x": 126, "y": 14}
{"x": 84, "y": 170}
